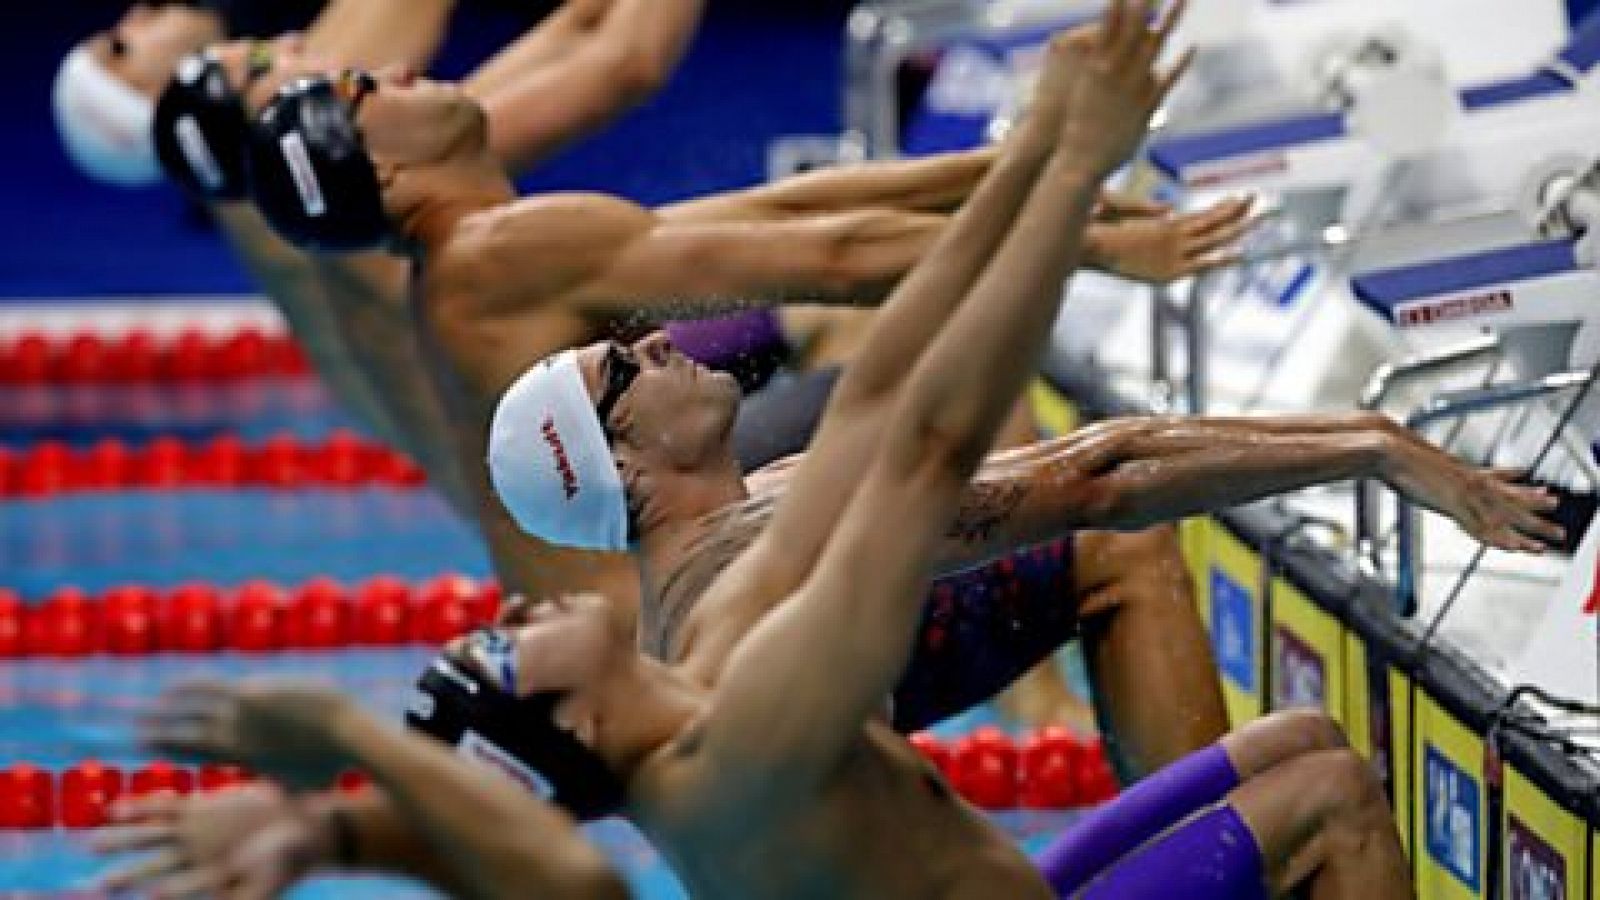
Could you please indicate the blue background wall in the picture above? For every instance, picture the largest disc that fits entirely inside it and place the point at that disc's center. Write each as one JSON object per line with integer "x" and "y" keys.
{"x": 755, "y": 71}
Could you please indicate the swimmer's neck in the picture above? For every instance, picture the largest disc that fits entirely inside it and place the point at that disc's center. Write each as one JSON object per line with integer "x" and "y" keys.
{"x": 683, "y": 506}
{"x": 429, "y": 204}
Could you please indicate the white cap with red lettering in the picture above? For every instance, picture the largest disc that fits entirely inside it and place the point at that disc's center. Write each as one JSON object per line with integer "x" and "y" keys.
{"x": 104, "y": 122}
{"x": 551, "y": 463}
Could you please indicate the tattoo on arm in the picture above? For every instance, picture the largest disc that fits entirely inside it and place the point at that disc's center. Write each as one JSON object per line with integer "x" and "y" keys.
{"x": 985, "y": 508}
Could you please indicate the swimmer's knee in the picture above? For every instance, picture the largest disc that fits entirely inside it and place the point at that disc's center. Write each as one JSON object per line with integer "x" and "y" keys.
{"x": 1120, "y": 569}
{"x": 1282, "y": 738}
{"x": 1344, "y": 786}
{"x": 1312, "y": 730}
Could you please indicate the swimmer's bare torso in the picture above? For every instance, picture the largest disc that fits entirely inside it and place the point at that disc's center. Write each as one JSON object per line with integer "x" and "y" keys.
{"x": 884, "y": 825}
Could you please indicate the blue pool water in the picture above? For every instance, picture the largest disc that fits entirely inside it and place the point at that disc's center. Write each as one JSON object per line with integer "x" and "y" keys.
{"x": 56, "y": 713}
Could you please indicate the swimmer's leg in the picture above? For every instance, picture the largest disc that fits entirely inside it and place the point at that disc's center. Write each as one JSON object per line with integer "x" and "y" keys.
{"x": 1318, "y": 822}
{"x": 1171, "y": 795}
{"x": 1155, "y": 682}
{"x": 1322, "y": 821}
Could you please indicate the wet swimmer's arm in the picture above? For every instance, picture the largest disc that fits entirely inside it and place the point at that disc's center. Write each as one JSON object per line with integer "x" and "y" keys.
{"x": 583, "y": 66}
{"x": 603, "y": 255}
{"x": 1130, "y": 473}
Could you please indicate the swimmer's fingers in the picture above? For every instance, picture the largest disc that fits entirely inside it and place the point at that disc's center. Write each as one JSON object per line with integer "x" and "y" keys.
{"x": 1152, "y": 38}
{"x": 1512, "y": 541}
{"x": 1212, "y": 262}
{"x": 208, "y": 881}
{"x": 1167, "y": 80}
{"x": 131, "y": 838}
{"x": 142, "y": 872}
{"x": 160, "y": 806}
{"x": 1228, "y": 217}
{"x": 1531, "y": 522}
{"x": 1125, "y": 41}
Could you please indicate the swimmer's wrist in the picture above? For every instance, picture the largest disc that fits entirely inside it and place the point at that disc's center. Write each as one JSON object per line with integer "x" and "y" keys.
{"x": 1068, "y": 172}
{"x": 333, "y": 846}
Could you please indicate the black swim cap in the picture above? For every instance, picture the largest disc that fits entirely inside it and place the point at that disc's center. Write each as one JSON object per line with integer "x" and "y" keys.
{"x": 515, "y": 735}
{"x": 201, "y": 127}
{"x": 310, "y": 173}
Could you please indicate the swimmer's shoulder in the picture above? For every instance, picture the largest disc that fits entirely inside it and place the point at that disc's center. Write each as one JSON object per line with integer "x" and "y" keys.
{"x": 538, "y": 249}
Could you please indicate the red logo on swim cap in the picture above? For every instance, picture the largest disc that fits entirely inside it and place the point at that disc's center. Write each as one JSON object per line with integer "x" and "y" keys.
{"x": 569, "y": 478}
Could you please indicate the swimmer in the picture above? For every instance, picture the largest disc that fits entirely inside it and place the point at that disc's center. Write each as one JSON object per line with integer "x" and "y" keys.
{"x": 503, "y": 282}
{"x": 777, "y": 781}
{"x": 105, "y": 91}
{"x": 567, "y": 691}
{"x": 484, "y": 837}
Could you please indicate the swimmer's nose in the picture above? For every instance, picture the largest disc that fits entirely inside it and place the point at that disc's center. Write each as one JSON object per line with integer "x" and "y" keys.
{"x": 654, "y": 348}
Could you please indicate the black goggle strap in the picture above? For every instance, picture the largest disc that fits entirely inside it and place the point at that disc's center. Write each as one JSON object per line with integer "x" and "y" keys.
{"x": 621, "y": 370}
{"x": 496, "y": 656}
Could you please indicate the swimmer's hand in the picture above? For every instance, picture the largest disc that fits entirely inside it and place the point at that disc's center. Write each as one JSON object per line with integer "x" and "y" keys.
{"x": 1112, "y": 207}
{"x": 1487, "y": 503}
{"x": 1165, "y": 246}
{"x": 247, "y": 841}
{"x": 1099, "y": 85}
{"x": 285, "y": 729}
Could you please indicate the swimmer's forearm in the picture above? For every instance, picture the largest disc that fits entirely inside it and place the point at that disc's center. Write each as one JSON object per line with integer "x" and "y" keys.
{"x": 1134, "y": 472}
{"x": 496, "y": 839}
{"x": 964, "y": 385}
{"x": 613, "y": 57}
{"x": 547, "y": 42}
{"x": 376, "y": 33}
{"x": 1175, "y": 470}
{"x": 929, "y": 184}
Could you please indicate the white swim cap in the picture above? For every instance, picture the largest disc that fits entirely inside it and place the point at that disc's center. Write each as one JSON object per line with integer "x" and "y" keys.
{"x": 551, "y": 463}
{"x": 104, "y": 123}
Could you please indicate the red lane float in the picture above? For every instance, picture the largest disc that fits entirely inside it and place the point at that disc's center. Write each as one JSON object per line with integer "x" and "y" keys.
{"x": 253, "y": 618}
{"x": 1052, "y": 768}
{"x": 1049, "y": 769}
{"x": 283, "y": 462}
{"x": 139, "y": 357}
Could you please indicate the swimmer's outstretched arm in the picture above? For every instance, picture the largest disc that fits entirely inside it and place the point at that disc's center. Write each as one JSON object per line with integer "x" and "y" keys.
{"x": 1133, "y": 472}
{"x": 581, "y": 67}
{"x": 934, "y": 184}
{"x": 373, "y": 33}
{"x": 599, "y": 254}
{"x": 1143, "y": 241}
{"x": 490, "y": 839}
{"x": 837, "y": 649}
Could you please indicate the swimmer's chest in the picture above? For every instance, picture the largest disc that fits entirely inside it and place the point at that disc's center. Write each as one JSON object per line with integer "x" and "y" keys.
{"x": 885, "y": 826}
